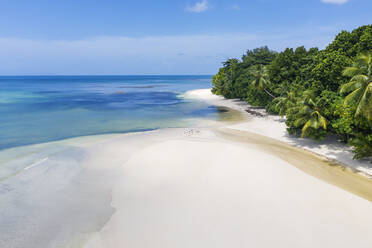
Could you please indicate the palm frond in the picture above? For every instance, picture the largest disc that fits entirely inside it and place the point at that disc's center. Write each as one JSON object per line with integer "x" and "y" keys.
{"x": 254, "y": 83}
{"x": 353, "y": 97}
{"x": 360, "y": 86}
{"x": 364, "y": 101}
{"x": 350, "y": 71}
{"x": 311, "y": 102}
{"x": 262, "y": 83}
{"x": 305, "y": 128}
{"x": 367, "y": 112}
{"x": 279, "y": 99}
{"x": 305, "y": 109}
{"x": 323, "y": 122}
{"x": 359, "y": 78}
{"x": 300, "y": 121}
{"x": 364, "y": 59}
{"x": 346, "y": 88}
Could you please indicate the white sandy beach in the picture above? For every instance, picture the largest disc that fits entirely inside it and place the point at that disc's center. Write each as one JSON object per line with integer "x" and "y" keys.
{"x": 200, "y": 191}
{"x": 196, "y": 187}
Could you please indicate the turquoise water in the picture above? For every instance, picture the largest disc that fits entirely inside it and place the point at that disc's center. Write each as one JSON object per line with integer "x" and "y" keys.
{"x": 36, "y": 109}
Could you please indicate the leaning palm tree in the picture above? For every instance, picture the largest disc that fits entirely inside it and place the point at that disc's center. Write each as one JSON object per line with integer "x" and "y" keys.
{"x": 261, "y": 79}
{"x": 360, "y": 86}
{"x": 309, "y": 114}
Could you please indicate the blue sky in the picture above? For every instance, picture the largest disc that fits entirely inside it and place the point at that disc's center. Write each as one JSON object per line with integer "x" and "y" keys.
{"x": 161, "y": 37}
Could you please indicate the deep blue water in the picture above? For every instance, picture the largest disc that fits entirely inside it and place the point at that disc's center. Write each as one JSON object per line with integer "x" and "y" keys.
{"x": 35, "y": 109}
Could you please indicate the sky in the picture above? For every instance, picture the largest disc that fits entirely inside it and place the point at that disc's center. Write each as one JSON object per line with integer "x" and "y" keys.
{"x": 164, "y": 37}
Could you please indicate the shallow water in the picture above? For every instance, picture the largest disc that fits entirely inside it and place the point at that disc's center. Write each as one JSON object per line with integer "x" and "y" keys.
{"x": 54, "y": 194}
{"x": 35, "y": 109}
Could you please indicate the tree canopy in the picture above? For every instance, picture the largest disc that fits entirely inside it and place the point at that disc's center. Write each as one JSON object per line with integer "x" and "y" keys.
{"x": 321, "y": 92}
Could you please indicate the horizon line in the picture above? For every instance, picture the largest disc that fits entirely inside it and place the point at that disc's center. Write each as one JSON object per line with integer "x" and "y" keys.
{"x": 125, "y": 75}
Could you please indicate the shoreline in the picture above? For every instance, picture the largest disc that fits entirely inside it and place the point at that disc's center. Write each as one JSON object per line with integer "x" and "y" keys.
{"x": 272, "y": 126}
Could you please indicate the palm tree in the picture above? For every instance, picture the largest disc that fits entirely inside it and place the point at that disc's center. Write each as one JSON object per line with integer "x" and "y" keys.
{"x": 261, "y": 81}
{"x": 315, "y": 120}
{"x": 360, "y": 86}
{"x": 284, "y": 102}
{"x": 309, "y": 114}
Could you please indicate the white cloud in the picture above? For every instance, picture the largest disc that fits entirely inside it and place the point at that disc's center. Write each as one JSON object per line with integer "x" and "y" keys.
{"x": 335, "y": 1}
{"x": 198, "y": 7}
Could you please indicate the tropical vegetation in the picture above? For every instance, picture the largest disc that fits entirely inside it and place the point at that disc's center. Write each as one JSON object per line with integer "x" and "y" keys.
{"x": 320, "y": 92}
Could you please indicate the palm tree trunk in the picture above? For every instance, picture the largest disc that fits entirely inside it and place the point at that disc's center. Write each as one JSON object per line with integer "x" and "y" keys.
{"x": 269, "y": 93}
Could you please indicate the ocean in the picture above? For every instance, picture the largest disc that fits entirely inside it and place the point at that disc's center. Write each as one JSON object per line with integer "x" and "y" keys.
{"x": 52, "y": 193}
{"x": 37, "y": 109}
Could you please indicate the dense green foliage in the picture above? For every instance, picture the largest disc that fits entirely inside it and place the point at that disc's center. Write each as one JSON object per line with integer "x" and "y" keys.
{"x": 320, "y": 92}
